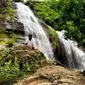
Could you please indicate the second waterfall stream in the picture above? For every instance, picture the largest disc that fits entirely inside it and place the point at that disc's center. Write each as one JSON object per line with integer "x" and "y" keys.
{"x": 74, "y": 56}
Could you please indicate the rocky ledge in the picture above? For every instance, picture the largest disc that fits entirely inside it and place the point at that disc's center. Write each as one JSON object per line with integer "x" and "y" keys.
{"x": 54, "y": 75}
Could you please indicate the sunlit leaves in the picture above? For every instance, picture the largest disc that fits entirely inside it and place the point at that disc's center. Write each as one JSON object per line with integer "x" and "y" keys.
{"x": 45, "y": 10}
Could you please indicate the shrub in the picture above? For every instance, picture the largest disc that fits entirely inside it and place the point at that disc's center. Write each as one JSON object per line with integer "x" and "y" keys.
{"x": 10, "y": 42}
{"x": 9, "y": 74}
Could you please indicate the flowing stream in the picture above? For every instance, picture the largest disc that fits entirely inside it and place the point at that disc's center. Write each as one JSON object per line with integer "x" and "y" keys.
{"x": 32, "y": 26}
{"x": 75, "y": 56}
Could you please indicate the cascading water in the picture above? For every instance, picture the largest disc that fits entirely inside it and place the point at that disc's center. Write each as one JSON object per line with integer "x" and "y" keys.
{"x": 75, "y": 56}
{"x": 33, "y": 27}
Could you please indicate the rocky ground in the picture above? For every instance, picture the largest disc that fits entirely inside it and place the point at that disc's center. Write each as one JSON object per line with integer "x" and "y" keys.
{"x": 54, "y": 75}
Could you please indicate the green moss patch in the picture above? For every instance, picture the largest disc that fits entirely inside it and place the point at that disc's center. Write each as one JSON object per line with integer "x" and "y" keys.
{"x": 53, "y": 37}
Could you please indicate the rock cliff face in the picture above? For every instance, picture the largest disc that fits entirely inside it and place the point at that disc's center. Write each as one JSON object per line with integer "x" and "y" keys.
{"x": 19, "y": 26}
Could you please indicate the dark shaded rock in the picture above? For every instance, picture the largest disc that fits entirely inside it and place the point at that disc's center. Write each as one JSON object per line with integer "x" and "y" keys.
{"x": 1, "y": 3}
{"x": 62, "y": 56}
{"x": 18, "y": 26}
{"x": 83, "y": 73}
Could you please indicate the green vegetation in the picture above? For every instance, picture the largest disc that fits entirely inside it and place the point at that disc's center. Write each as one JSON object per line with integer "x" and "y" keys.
{"x": 16, "y": 62}
{"x": 11, "y": 40}
{"x": 6, "y": 10}
{"x": 53, "y": 37}
{"x": 7, "y": 39}
{"x": 43, "y": 10}
{"x": 3, "y": 36}
{"x": 63, "y": 14}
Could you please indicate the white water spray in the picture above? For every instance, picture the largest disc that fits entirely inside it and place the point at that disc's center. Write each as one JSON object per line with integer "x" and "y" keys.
{"x": 74, "y": 55}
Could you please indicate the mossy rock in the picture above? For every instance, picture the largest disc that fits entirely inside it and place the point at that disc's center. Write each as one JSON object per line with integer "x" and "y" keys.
{"x": 18, "y": 61}
{"x": 53, "y": 37}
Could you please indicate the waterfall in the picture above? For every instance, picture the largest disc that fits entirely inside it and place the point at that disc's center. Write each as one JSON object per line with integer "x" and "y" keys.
{"x": 75, "y": 56}
{"x": 33, "y": 27}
